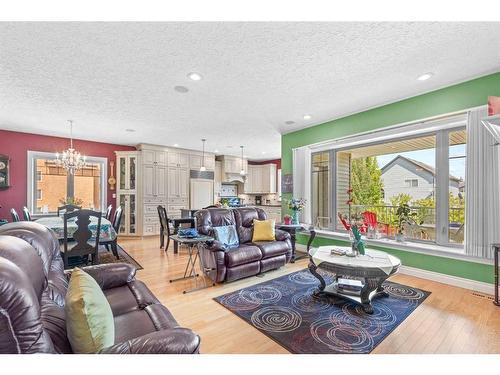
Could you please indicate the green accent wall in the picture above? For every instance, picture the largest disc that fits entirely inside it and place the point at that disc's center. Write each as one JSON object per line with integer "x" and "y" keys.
{"x": 450, "y": 99}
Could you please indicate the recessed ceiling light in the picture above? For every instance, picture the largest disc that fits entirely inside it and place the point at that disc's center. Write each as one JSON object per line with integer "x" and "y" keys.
{"x": 181, "y": 89}
{"x": 289, "y": 122}
{"x": 216, "y": 150}
{"x": 130, "y": 130}
{"x": 176, "y": 145}
{"x": 307, "y": 117}
{"x": 263, "y": 152}
{"x": 425, "y": 77}
{"x": 195, "y": 76}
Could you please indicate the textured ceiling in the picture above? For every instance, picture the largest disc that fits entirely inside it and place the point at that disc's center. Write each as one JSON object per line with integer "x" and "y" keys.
{"x": 109, "y": 77}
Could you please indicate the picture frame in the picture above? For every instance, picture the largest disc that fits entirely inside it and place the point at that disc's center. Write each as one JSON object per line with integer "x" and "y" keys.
{"x": 4, "y": 172}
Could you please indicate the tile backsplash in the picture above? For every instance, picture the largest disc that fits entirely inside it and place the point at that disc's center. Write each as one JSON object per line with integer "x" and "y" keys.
{"x": 266, "y": 199}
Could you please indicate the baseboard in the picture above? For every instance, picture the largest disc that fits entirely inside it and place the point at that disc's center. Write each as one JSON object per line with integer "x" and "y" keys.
{"x": 477, "y": 286}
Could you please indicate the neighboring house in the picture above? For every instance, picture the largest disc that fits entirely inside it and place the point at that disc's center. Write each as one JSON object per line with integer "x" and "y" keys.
{"x": 408, "y": 176}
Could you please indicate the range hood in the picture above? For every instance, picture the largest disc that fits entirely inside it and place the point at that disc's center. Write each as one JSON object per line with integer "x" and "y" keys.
{"x": 234, "y": 177}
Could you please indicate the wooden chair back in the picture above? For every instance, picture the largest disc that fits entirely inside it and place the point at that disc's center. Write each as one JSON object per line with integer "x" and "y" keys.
{"x": 26, "y": 214}
{"x": 108, "y": 212}
{"x": 164, "y": 222}
{"x": 82, "y": 235}
{"x": 117, "y": 219}
{"x": 14, "y": 214}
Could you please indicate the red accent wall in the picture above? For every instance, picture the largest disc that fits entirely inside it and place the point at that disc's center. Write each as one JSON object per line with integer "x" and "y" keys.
{"x": 16, "y": 146}
{"x": 275, "y": 161}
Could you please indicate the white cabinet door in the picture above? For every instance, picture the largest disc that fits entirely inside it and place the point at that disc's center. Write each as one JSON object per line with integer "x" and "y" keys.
{"x": 172, "y": 158}
{"x": 149, "y": 180}
{"x": 257, "y": 180}
{"x": 183, "y": 160}
{"x": 161, "y": 158}
{"x": 161, "y": 182}
{"x": 173, "y": 182}
{"x": 195, "y": 161}
{"x": 183, "y": 182}
{"x": 272, "y": 176}
{"x": 148, "y": 157}
{"x": 210, "y": 162}
{"x": 249, "y": 180}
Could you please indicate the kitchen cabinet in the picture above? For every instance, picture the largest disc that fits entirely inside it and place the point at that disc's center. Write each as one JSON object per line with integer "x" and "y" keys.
{"x": 126, "y": 190}
{"x": 217, "y": 180}
{"x": 178, "y": 159}
{"x": 272, "y": 212}
{"x": 233, "y": 165}
{"x": 154, "y": 157}
{"x": 195, "y": 162}
{"x": 178, "y": 182}
{"x": 261, "y": 179}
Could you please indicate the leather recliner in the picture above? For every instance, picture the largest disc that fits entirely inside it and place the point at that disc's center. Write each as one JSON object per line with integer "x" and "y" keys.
{"x": 33, "y": 286}
{"x": 249, "y": 258}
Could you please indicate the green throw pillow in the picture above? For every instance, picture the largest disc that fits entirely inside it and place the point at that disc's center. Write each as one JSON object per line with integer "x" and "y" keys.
{"x": 89, "y": 319}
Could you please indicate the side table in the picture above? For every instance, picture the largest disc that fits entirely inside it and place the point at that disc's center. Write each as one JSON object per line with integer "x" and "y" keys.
{"x": 496, "y": 252}
{"x": 293, "y": 229}
{"x": 194, "y": 245}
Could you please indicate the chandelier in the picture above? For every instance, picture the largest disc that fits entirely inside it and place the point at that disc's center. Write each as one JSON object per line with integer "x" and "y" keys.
{"x": 70, "y": 159}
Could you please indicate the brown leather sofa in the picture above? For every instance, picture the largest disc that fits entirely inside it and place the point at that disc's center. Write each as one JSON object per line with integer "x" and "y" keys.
{"x": 32, "y": 290}
{"x": 249, "y": 258}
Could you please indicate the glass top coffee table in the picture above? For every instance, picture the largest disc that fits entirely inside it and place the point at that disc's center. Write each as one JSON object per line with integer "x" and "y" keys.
{"x": 357, "y": 278}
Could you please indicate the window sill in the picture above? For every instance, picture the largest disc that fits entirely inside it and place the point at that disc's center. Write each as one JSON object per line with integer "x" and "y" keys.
{"x": 414, "y": 247}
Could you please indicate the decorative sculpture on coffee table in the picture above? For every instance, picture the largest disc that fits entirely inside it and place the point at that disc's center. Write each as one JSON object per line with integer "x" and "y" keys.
{"x": 358, "y": 245}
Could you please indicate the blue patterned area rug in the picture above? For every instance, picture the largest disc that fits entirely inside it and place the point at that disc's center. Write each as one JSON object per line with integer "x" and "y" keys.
{"x": 286, "y": 310}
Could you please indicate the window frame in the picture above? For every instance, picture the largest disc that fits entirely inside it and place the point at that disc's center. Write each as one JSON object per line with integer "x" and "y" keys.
{"x": 441, "y": 133}
{"x": 32, "y": 179}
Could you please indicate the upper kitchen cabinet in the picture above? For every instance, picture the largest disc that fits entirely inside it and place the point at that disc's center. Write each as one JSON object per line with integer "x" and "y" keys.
{"x": 261, "y": 179}
{"x": 195, "y": 162}
{"x": 155, "y": 157}
{"x": 231, "y": 168}
{"x": 178, "y": 159}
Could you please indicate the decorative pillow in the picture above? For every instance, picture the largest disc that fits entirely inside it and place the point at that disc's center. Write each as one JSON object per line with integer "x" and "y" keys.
{"x": 89, "y": 319}
{"x": 263, "y": 230}
{"x": 227, "y": 235}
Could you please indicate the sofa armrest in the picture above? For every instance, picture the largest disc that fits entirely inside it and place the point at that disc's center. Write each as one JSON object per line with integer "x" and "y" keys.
{"x": 168, "y": 341}
{"x": 216, "y": 246}
{"x": 281, "y": 235}
{"x": 111, "y": 275}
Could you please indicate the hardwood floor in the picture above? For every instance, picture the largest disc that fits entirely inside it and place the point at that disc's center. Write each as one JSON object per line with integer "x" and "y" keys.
{"x": 451, "y": 320}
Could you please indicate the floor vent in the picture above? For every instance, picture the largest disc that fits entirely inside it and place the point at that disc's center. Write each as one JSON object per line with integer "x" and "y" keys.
{"x": 485, "y": 296}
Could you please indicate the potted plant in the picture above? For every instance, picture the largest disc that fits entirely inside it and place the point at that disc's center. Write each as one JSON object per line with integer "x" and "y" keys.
{"x": 71, "y": 200}
{"x": 404, "y": 216}
{"x": 296, "y": 205}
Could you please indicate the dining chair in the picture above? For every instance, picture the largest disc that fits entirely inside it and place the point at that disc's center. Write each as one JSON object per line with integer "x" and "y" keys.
{"x": 165, "y": 229}
{"x": 68, "y": 208}
{"x": 108, "y": 212}
{"x": 85, "y": 244}
{"x": 15, "y": 216}
{"x": 26, "y": 214}
{"x": 116, "y": 222}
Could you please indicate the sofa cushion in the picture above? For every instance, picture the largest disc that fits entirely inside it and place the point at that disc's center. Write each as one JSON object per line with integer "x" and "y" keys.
{"x": 141, "y": 322}
{"x": 89, "y": 319}
{"x": 242, "y": 255}
{"x": 129, "y": 297}
{"x": 272, "y": 248}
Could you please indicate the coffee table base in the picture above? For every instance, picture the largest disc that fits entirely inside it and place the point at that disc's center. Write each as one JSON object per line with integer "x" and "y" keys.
{"x": 372, "y": 288}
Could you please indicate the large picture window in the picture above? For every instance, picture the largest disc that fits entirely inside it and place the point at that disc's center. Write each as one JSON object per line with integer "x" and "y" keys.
{"x": 371, "y": 180}
{"x": 49, "y": 185}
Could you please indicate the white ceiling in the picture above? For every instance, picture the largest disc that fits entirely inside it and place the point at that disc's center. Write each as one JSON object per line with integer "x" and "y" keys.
{"x": 109, "y": 77}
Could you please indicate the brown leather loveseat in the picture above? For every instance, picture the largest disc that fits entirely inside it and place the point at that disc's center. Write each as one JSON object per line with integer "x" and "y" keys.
{"x": 32, "y": 290}
{"x": 249, "y": 258}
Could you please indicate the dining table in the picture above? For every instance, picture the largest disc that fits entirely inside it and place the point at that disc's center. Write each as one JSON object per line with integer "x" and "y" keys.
{"x": 56, "y": 223}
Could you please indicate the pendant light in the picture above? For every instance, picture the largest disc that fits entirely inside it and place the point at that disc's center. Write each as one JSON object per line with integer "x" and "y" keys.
{"x": 242, "y": 171}
{"x": 202, "y": 168}
{"x": 70, "y": 159}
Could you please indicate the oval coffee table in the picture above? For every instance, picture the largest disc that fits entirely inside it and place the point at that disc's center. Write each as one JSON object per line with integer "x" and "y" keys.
{"x": 372, "y": 269}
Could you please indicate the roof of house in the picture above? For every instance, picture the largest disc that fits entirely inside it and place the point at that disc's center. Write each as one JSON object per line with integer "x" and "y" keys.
{"x": 418, "y": 164}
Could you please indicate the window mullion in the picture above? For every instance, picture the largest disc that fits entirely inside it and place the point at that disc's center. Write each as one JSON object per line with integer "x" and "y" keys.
{"x": 333, "y": 188}
{"x": 442, "y": 178}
